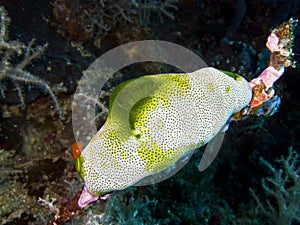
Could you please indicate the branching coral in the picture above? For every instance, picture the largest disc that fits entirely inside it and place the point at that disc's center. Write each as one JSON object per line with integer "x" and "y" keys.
{"x": 15, "y": 56}
{"x": 92, "y": 20}
{"x": 157, "y": 7}
{"x": 282, "y": 205}
{"x": 119, "y": 10}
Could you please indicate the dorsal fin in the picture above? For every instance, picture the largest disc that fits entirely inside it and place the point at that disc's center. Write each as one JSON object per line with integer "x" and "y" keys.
{"x": 126, "y": 95}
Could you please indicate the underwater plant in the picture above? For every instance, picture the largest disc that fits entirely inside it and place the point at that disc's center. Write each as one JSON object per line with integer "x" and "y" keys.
{"x": 96, "y": 19}
{"x": 15, "y": 56}
{"x": 281, "y": 190}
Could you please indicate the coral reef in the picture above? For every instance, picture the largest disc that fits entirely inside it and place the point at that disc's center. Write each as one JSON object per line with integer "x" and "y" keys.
{"x": 38, "y": 182}
{"x": 281, "y": 190}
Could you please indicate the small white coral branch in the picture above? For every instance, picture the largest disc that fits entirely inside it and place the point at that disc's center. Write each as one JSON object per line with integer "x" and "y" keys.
{"x": 160, "y": 7}
{"x": 49, "y": 202}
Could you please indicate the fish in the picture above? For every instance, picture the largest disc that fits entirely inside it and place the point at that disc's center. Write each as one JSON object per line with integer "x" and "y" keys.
{"x": 155, "y": 123}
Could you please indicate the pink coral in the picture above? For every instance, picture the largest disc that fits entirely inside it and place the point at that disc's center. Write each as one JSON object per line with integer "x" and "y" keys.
{"x": 272, "y": 42}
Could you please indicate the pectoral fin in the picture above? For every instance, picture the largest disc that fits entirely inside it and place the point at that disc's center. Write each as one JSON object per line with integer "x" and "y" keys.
{"x": 211, "y": 150}
{"x": 165, "y": 174}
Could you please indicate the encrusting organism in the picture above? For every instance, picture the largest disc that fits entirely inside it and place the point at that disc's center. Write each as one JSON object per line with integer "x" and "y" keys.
{"x": 15, "y": 71}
